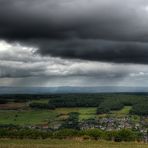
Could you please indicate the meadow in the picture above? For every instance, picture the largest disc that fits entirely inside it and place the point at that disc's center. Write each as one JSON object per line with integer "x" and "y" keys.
{"x": 26, "y": 117}
{"x": 19, "y": 113}
{"x": 14, "y": 114}
{"x": 9, "y": 143}
{"x": 40, "y": 116}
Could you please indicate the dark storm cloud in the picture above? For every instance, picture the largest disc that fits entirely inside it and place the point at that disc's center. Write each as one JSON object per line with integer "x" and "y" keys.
{"x": 111, "y": 20}
{"x": 101, "y": 30}
{"x": 97, "y": 50}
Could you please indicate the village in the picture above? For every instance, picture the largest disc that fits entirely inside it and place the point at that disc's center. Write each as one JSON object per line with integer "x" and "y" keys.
{"x": 105, "y": 124}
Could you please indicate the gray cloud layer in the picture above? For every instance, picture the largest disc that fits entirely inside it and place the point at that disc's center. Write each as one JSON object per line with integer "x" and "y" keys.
{"x": 20, "y": 61}
{"x": 22, "y": 66}
{"x": 101, "y": 30}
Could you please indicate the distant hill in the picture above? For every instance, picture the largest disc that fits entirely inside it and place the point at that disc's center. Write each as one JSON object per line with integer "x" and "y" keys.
{"x": 68, "y": 89}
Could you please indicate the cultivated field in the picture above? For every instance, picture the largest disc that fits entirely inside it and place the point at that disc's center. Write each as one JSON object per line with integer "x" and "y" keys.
{"x": 43, "y": 116}
{"x": 12, "y": 106}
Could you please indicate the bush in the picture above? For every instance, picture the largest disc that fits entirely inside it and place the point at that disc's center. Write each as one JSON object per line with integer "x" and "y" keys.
{"x": 19, "y": 133}
{"x": 41, "y": 106}
{"x": 125, "y": 135}
{"x": 72, "y": 122}
{"x": 64, "y": 133}
{"x": 93, "y": 133}
{"x": 102, "y": 110}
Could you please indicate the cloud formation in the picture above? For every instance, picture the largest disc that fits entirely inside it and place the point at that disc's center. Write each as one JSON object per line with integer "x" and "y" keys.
{"x": 20, "y": 61}
{"x": 73, "y": 42}
{"x": 108, "y": 31}
{"x": 22, "y": 66}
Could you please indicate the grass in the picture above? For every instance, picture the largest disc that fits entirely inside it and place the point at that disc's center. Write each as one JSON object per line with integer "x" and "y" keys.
{"x": 85, "y": 112}
{"x": 67, "y": 144}
{"x": 123, "y": 112}
{"x": 33, "y": 117}
{"x": 26, "y": 117}
{"x": 119, "y": 113}
{"x": 40, "y": 101}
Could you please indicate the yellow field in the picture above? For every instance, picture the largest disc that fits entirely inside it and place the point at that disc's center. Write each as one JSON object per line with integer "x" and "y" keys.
{"x": 68, "y": 144}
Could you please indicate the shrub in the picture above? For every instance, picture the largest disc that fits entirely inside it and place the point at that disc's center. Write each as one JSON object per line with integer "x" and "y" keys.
{"x": 93, "y": 133}
{"x": 64, "y": 133}
{"x": 41, "y": 106}
{"x": 125, "y": 135}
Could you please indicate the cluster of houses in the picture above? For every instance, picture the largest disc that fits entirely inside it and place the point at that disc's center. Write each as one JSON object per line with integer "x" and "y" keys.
{"x": 106, "y": 124}
{"x": 109, "y": 124}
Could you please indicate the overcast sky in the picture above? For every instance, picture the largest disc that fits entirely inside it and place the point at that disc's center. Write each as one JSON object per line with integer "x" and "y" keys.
{"x": 73, "y": 43}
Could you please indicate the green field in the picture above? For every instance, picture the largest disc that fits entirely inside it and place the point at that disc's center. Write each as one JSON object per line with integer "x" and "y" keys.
{"x": 85, "y": 112}
{"x": 34, "y": 117}
{"x": 123, "y": 111}
{"x": 40, "y": 101}
{"x": 67, "y": 144}
{"x": 26, "y": 117}
{"x": 119, "y": 113}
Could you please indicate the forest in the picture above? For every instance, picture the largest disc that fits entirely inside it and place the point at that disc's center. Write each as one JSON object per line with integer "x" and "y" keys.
{"x": 104, "y": 102}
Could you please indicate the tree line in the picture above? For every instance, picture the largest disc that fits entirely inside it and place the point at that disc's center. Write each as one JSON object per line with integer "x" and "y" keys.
{"x": 96, "y": 134}
{"x": 104, "y": 102}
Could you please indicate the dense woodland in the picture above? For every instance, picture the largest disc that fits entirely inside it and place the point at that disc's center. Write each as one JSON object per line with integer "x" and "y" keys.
{"x": 104, "y": 102}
